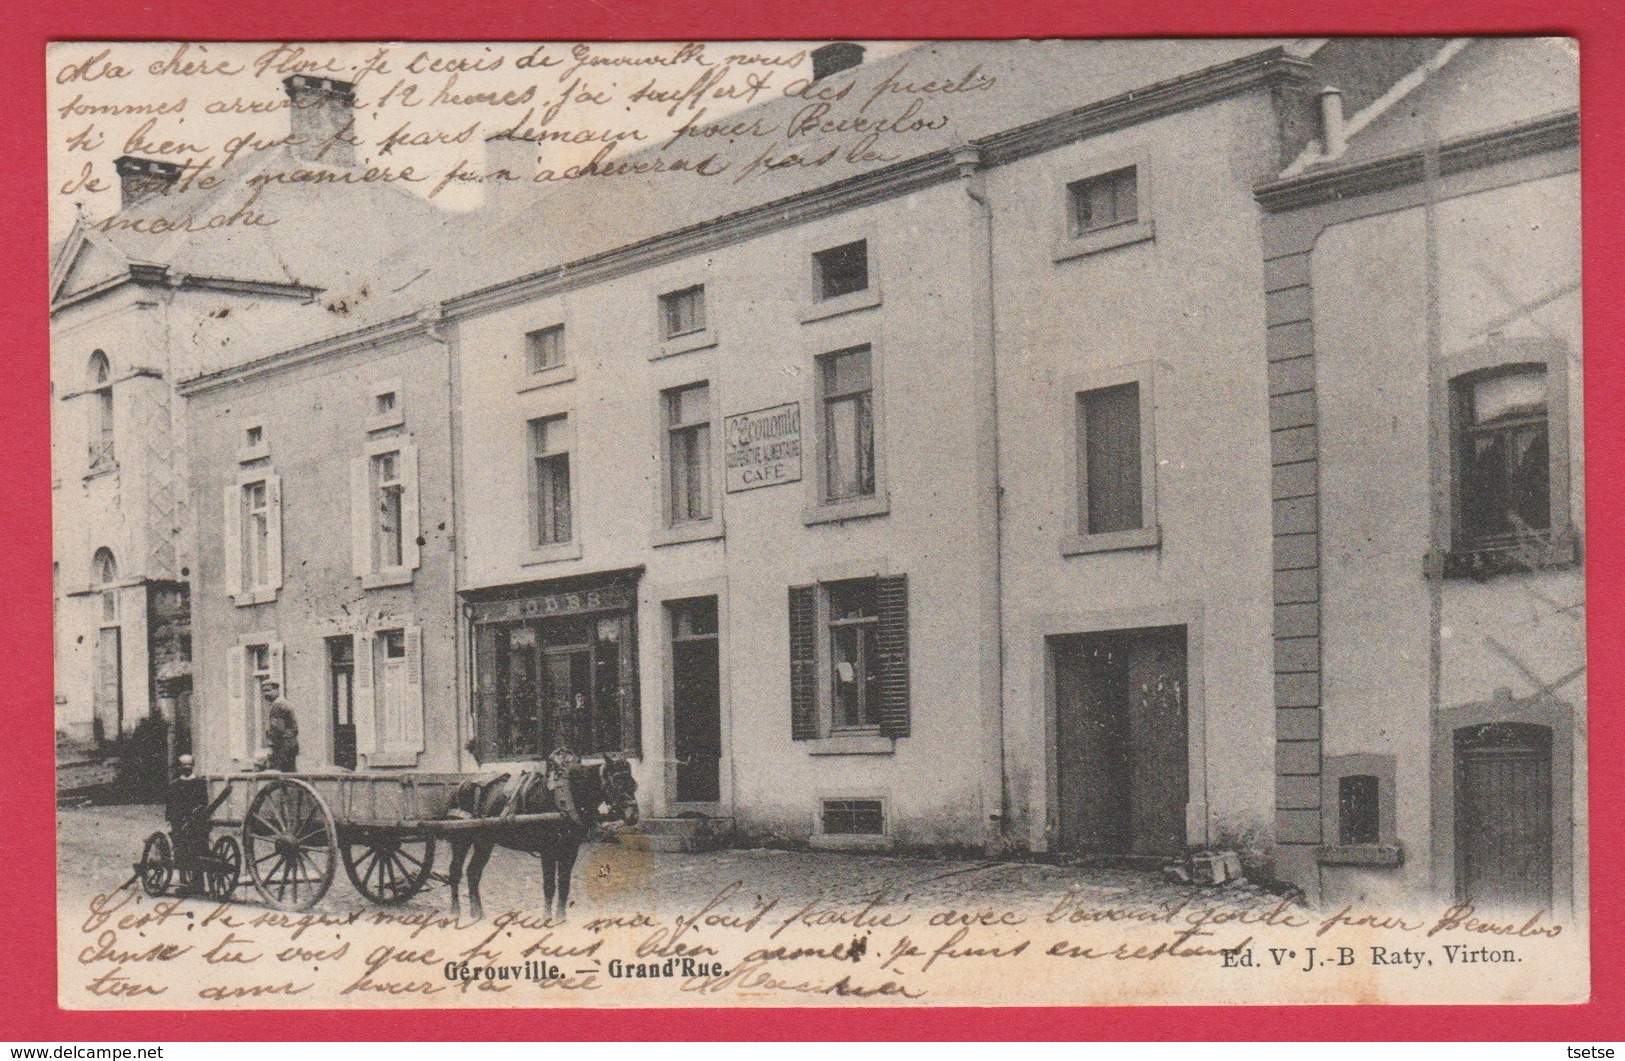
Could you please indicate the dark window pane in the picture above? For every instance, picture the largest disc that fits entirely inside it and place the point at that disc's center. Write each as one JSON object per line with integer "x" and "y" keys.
{"x": 1109, "y": 199}
{"x": 1357, "y": 809}
{"x": 1502, "y": 457}
{"x": 842, "y": 270}
{"x": 1110, "y": 453}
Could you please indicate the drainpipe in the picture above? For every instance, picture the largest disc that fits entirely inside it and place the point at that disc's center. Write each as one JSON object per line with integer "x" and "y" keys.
{"x": 990, "y": 530}
{"x": 434, "y": 319}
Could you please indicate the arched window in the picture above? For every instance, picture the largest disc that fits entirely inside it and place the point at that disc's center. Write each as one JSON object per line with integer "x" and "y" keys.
{"x": 104, "y": 570}
{"x": 101, "y": 425}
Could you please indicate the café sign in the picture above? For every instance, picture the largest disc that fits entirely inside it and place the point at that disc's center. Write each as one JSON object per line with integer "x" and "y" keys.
{"x": 762, "y": 448}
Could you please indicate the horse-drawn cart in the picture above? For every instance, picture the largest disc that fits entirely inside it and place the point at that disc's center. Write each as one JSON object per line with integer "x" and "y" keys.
{"x": 288, "y": 834}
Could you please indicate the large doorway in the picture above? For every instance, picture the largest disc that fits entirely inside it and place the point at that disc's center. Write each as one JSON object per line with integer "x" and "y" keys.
{"x": 696, "y": 701}
{"x": 1122, "y": 758}
{"x": 1503, "y": 774}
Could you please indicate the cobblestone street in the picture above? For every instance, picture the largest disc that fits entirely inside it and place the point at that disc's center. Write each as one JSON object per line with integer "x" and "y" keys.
{"x": 97, "y": 846}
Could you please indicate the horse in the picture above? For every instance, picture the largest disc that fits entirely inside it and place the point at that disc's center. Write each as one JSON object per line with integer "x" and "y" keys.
{"x": 563, "y": 783}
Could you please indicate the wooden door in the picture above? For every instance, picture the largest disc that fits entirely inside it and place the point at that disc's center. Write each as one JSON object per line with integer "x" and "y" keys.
{"x": 109, "y": 688}
{"x": 1122, "y": 758}
{"x": 1504, "y": 816}
{"x": 569, "y": 698}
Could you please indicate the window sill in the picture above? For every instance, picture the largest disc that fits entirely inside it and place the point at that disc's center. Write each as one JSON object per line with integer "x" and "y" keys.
{"x": 550, "y": 554}
{"x": 703, "y": 339}
{"x": 1539, "y": 552}
{"x": 849, "y": 842}
{"x": 394, "y": 576}
{"x": 857, "y": 508}
{"x": 852, "y": 744}
{"x": 248, "y": 598}
{"x": 1380, "y": 855}
{"x": 385, "y": 421}
{"x": 392, "y": 758}
{"x": 250, "y": 454}
{"x": 695, "y": 531}
{"x": 1080, "y": 544}
{"x": 1104, "y": 239}
{"x": 824, "y": 309}
{"x": 547, "y": 377}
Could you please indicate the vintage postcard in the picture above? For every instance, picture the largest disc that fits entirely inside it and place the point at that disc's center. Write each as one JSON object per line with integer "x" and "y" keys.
{"x": 1065, "y": 522}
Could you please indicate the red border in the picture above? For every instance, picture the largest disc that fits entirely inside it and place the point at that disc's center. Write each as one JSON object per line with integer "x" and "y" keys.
{"x": 27, "y": 854}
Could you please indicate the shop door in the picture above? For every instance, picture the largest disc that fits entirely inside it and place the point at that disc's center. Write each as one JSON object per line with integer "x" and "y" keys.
{"x": 1122, "y": 760}
{"x": 1504, "y": 816}
{"x": 569, "y": 698}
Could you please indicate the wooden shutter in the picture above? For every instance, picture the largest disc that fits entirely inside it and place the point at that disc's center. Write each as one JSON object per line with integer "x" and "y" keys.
{"x": 412, "y": 709}
{"x": 803, "y": 662}
{"x": 1111, "y": 456}
{"x": 366, "y": 740}
{"x": 234, "y": 538}
{"x": 236, "y": 709}
{"x": 409, "y": 508}
{"x": 273, "y": 532}
{"x": 360, "y": 520}
{"x": 892, "y": 591}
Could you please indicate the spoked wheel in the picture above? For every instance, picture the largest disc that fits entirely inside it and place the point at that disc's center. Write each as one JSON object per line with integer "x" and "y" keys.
{"x": 222, "y": 881}
{"x": 157, "y": 864}
{"x": 290, "y": 844}
{"x": 389, "y": 869}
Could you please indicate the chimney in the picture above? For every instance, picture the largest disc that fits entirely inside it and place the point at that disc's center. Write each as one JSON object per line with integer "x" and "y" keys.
{"x": 1333, "y": 136}
{"x": 141, "y": 177}
{"x": 515, "y": 156}
{"x": 833, "y": 58}
{"x": 323, "y": 119}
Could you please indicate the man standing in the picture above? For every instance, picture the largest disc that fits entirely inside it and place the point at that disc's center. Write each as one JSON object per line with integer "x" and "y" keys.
{"x": 281, "y": 729}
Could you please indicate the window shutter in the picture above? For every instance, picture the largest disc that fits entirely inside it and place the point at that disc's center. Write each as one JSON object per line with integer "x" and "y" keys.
{"x": 236, "y": 710}
{"x": 234, "y": 539}
{"x": 803, "y": 662}
{"x": 412, "y": 735}
{"x": 893, "y": 638}
{"x": 365, "y": 720}
{"x": 409, "y": 508}
{"x": 360, "y": 518}
{"x": 273, "y": 532}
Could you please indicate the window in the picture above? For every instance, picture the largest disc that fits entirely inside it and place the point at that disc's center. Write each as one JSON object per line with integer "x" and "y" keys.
{"x": 383, "y": 403}
{"x": 849, "y": 658}
{"x": 550, "y": 483}
{"x": 104, "y": 569}
{"x": 256, "y": 535}
{"x": 853, "y": 817}
{"x": 388, "y": 695}
{"x": 853, "y": 654}
{"x": 259, "y": 672}
{"x": 253, "y": 533}
{"x": 544, "y": 349}
{"x": 682, "y": 312}
{"x": 101, "y": 427}
{"x": 254, "y": 437}
{"x": 1503, "y": 464}
{"x": 387, "y": 497}
{"x": 1104, "y": 201}
{"x": 842, "y": 270}
{"x": 1111, "y": 467}
{"x": 688, "y": 453}
{"x": 341, "y": 698}
{"x": 1109, "y": 494}
{"x": 253, "y": 662}
{"x": 1357, "y": 809}
{"x": 847, "y": 394}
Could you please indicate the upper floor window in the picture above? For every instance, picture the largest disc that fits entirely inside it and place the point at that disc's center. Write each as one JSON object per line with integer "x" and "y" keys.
{"x": 253, "y": 536}
{"x": 682, "y": 312}
{"x": 104, "y": 570}
{"x": 688, "y": 453}
{"x": 1103, "y": 201}
{"x": 544, "y": 349}
{"x": 384, "y": 514}
{"x": 387, "y": 491}
{"x": 847, "y": 395}
{"x": 101, "y": 427}
{"x": 551, "y": 519}
{"x": 1503, "y": 463}
{"x": 1113, "y": 471}
{"x": 256, "y": 535}
{"x": 842, "y": 270}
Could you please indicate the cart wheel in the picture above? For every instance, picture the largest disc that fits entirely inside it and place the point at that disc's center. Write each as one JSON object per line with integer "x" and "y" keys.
{"x": 222, "y": 881}
{"x": 389, "y": 869}
{"x": 157, "y": 864}
{"x": 290, "y": 844}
